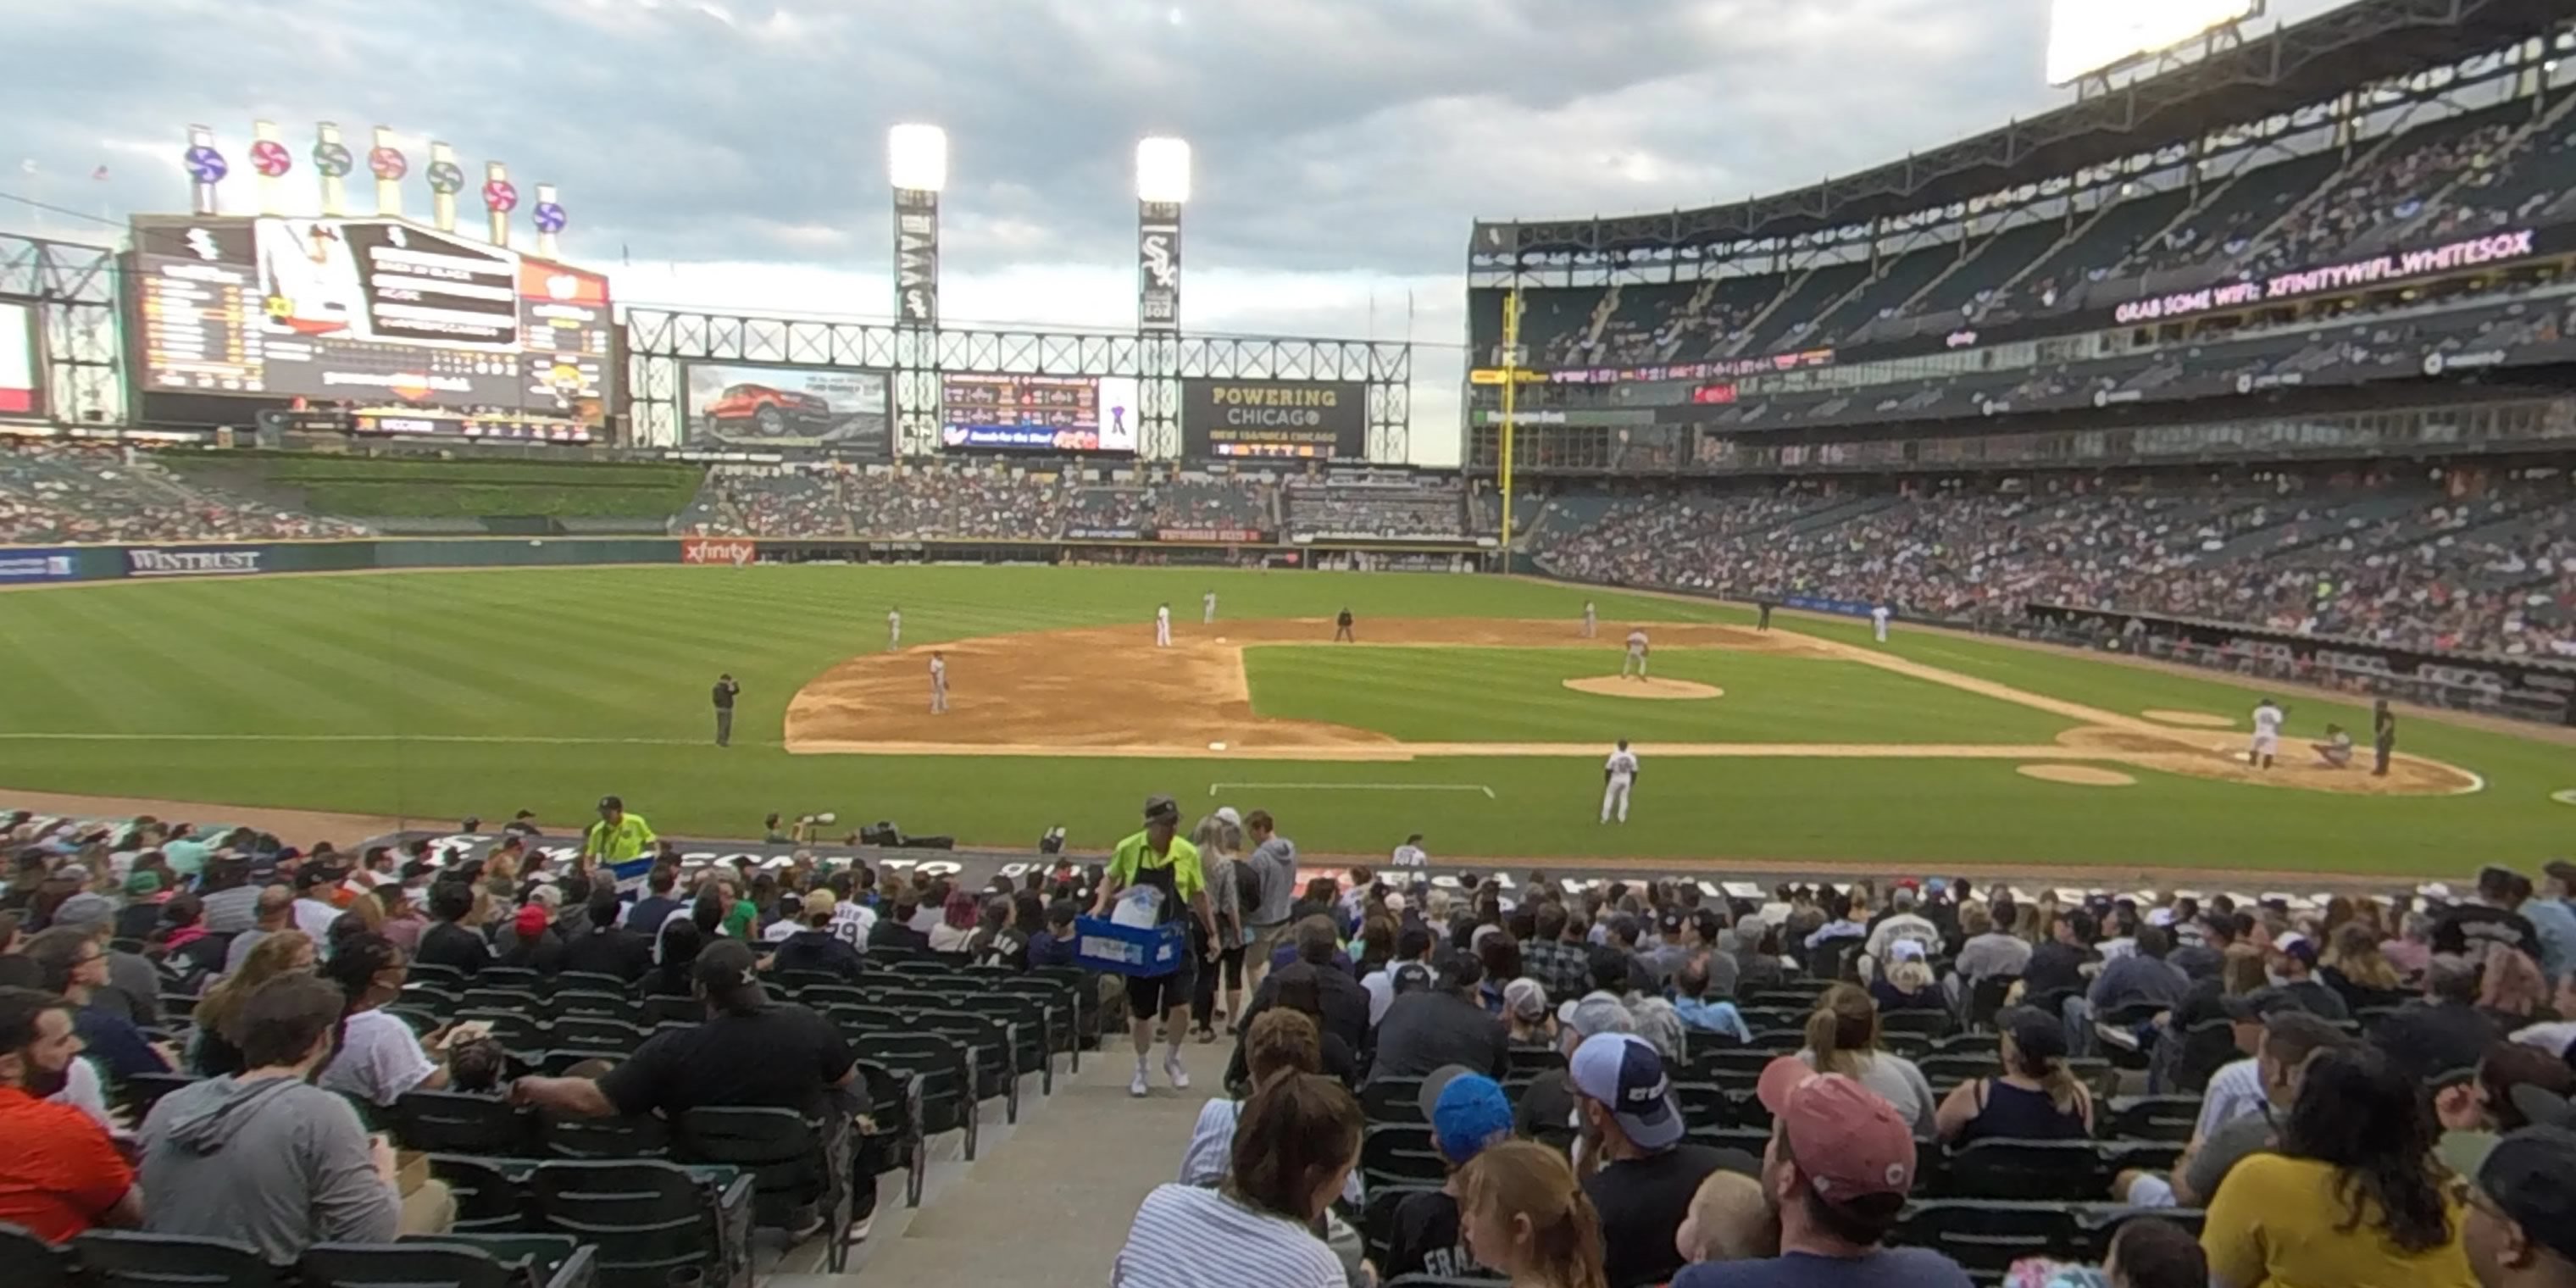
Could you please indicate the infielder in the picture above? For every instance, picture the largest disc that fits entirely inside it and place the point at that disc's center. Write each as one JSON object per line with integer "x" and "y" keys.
{"x": 1618, "y": 774}
{"x": 1878, "y": 622}
{"x": 938, "y": 685}
{"x": 1207, "y": 609}
{"x": 2268, "y": 716}
{"x": 894, "y": 629}
{"x": 1591, "y": 620}
{"x": 1163, "y": 626}
{"x": 1342, "y": 629}
{"x": 1636, "y": 659}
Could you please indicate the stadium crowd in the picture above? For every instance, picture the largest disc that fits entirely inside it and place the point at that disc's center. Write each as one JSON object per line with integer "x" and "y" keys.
{"x": 2409, "y": 567}
{"x": 80, "y": 492}
{"x": 1576, "y": 1084}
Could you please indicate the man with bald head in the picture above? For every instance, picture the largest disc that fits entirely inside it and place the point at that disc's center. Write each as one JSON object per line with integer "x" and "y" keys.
{"x": 275, "y": 911}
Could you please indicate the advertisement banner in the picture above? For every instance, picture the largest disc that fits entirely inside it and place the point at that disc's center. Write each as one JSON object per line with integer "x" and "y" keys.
{"x": 916, "y": 257}
{"x": 1304, "y": 419}
{"x": 21, "y": 393}
{"x": 1229, "y": 536}
{"x": 194, "y": 561}
{"x": 1158, "y": 266}
{"x": 37, "y": 565}
{"x": 725, "y": 551}
{"x": 1103, "y": 534}
{"x": 1820, "y": 604}
{"x": 844, "y": 409}
{"x": 2397, "y": 266}
{"x": 1017, "y": 413}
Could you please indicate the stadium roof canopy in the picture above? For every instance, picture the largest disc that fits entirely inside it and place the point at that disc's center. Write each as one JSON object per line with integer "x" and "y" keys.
{"x": 2287, "y": 69}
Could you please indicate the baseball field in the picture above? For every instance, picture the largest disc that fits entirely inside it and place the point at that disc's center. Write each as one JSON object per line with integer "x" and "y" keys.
{"x": 1469, "y": 709}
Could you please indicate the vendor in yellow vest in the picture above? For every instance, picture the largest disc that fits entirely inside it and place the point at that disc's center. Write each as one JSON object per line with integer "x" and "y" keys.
{"x": 1159, "y": 858}
{"x": 618, "y": 836}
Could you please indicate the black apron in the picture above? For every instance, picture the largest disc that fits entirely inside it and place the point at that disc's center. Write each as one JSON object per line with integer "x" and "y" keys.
{"x": 1166, "y": 880}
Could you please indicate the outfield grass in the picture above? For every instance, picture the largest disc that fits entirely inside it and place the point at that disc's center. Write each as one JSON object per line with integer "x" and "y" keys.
{"x": 437, "y": 695}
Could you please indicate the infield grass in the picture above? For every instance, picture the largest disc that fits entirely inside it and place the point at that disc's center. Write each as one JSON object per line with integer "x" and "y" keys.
{"x": 440, "y": 694}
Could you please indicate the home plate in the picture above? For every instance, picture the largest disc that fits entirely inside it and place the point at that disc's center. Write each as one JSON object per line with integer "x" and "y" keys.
{"x": 1216, "y": 746}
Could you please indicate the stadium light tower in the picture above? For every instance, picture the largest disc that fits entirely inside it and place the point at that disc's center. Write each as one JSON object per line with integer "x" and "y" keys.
{"x": 917, "y": 166}
{"x": 1162, "y": 188}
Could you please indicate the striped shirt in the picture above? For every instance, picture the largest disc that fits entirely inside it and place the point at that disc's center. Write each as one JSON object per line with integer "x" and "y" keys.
{"x": 1185, "y": 1237}
{"x": 1211, "y": 1150}
{"x": 2234, "y": 1091}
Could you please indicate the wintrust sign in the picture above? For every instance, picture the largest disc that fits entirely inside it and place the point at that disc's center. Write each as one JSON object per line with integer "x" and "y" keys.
{"x": 154, "y": 561}
{"x": 701, "y": 550}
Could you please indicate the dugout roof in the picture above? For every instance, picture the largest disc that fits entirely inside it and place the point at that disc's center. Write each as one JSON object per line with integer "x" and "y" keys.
{"x": 2284, "y": 70}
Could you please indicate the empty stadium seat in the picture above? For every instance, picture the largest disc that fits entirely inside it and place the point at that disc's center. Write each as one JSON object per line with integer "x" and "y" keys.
{"x": 793, "y": 1186}
{"x": 133, "y": 1259}
{"x": 29, "y": 1261}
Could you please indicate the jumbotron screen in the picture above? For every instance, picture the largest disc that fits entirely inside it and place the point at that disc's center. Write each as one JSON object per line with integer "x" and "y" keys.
{"x": 1013, "y": 413}
{"x": 414, "y": 330}
{"x": 21, "y": 393}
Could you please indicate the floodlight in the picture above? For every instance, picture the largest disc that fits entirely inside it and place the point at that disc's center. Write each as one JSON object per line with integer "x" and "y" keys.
{"x": 917, "y": 157}
{"x": 1163, "y": 170}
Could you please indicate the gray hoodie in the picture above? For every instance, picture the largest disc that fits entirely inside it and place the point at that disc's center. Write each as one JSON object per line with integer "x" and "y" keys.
{"x": 276, "y": 1163}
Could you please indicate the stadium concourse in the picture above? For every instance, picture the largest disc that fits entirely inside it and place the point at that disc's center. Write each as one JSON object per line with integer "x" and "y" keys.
{"x": 794, "y": 1062}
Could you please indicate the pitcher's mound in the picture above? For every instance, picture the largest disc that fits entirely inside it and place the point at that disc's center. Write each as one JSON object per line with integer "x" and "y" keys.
{"x": 2077, "y": 775}
{"x": 1613, "y": 686}
{"x": 2190, "y": 719}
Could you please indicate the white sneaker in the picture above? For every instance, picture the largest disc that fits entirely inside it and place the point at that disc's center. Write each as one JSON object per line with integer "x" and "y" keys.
{"x": 1172, "y": 1069}
{"x": 1137, "y": 1088}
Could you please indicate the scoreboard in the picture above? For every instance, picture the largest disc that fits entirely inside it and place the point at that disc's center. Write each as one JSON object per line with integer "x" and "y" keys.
{"x": 989, "y": 412}
{"x": 416, "y": 330}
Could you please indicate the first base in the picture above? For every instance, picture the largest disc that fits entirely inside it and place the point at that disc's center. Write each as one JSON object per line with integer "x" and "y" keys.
{"x": 1216, "y": 746}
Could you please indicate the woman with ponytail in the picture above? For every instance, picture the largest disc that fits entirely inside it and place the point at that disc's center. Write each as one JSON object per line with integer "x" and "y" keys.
{"x": 1295, "y": 1143}
{"x": 1527, "y": 1218}
{"x": 1842, "y": 1037}
{"x": 374, "y": 1057}
{"x": 2037, "y": 1098}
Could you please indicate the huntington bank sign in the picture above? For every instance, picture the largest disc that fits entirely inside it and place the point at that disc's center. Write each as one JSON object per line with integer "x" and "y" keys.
{"x": 154, "y": 561}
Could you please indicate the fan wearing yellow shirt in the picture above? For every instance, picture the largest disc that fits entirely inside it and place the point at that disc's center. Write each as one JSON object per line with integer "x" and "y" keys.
{"x": 618, "y": 837}
{"x": 1159, "y": 858}
{"x": 2353, "y": 1199}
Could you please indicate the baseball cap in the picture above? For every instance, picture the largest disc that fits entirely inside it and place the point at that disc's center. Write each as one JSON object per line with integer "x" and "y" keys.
{"x": 723, "y": 966}
{"x": 2297, "y": 945}
{"x": 1595, "y": 1015}
{"x": 2035, "y": 1032}
{"x": 1158, "y": 806}
{"x": 1846, "y": 1139}
{"x": 1225, "y": 814}
{"x": 1395, "y": 901}
{"x": 1467, "y": 1111}
{"x": 144, "y": 882}
{"x": 1410, "y": 977}
{"x": 819, "y": 902}
{"x": 1905, "y": 950}
{"x": 531, "y": 921}
{"x": 1623, "y": 1072}
{"x": 611, "y": 802}
{"x": 85, "y": 909}
{"x": 2530, "y": 1176}
{"x": 1524, "y": 1000}
{"x": 2261, "y": 1003}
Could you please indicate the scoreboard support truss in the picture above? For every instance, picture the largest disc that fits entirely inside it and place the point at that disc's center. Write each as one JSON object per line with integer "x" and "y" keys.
{"x": 71, "y": 290}
{"x": 661, "y": 343}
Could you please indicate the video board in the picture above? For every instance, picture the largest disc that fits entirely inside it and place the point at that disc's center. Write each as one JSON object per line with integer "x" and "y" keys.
{"x": 1294, "y": 419}
{"x": 417, "y": 331}
{"x": 1014, "y": 413}
{"x": 22, "y": 391}
{"x": 843, "y": 409}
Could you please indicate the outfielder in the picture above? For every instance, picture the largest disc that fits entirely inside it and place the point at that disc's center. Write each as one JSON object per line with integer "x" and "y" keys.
{"x": 2268, "y": 716}
{"x": 1591, "y": 621}
{"x": 1207, "y": 609}
{"x": 1163, "y": 626}
{"x": 1618, "y": 774}
{"x": 1636, "y": 659}
{"x": 1878, "y": 622}
{"x": 894, "y": 629}
{"x": 938, "y": 685}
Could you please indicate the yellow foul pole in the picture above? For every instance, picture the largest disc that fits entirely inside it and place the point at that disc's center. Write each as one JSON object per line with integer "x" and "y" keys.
{"x": 1511, "y": 365}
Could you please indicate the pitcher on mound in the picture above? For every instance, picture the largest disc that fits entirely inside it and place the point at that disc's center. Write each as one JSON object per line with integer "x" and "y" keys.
{"x": 1636, "y": 659}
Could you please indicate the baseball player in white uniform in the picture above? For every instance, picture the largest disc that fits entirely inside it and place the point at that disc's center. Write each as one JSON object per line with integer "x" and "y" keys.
{"x": 1878, "y": 622}
{"x": 894, "y": 629}
{"x": 2268, "y": 716}
{"x": 1163, "y": 626}
{"x": 938, "y": 685}
{"x": 1618, "y": 774}
{"x": 1636, "y": 659}
{"x": 1207, "y": 609}
{"x": 1591, "y": 620}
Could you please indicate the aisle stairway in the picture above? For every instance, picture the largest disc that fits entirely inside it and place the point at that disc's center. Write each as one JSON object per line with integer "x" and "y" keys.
{"x": 1074, "y": 1168}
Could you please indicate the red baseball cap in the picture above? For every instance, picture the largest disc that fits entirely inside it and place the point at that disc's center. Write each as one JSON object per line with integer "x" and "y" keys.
{"x": 1845, "y": 1138}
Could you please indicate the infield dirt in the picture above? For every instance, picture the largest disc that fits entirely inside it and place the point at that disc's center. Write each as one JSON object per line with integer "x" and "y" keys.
{"x": 1108, "y": 691}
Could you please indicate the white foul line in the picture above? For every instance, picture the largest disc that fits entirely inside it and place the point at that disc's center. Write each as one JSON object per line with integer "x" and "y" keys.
{"x": 1214, "y": 788}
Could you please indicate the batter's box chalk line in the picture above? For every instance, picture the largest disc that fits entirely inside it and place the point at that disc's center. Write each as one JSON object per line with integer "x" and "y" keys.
{"x": 1215, "y": 788}
{"x": 2566, "y": 796}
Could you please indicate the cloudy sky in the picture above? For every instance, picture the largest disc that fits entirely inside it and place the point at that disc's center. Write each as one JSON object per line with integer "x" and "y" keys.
{"x": 730, "y": 153}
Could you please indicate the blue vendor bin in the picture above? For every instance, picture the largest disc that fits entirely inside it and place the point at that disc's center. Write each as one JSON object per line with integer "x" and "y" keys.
{"x": 1142, "y": 951}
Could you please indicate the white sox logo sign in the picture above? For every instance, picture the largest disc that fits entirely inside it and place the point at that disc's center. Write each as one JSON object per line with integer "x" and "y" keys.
{"x": 916, "y": 258}
{"x": 1158, "y": 266}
